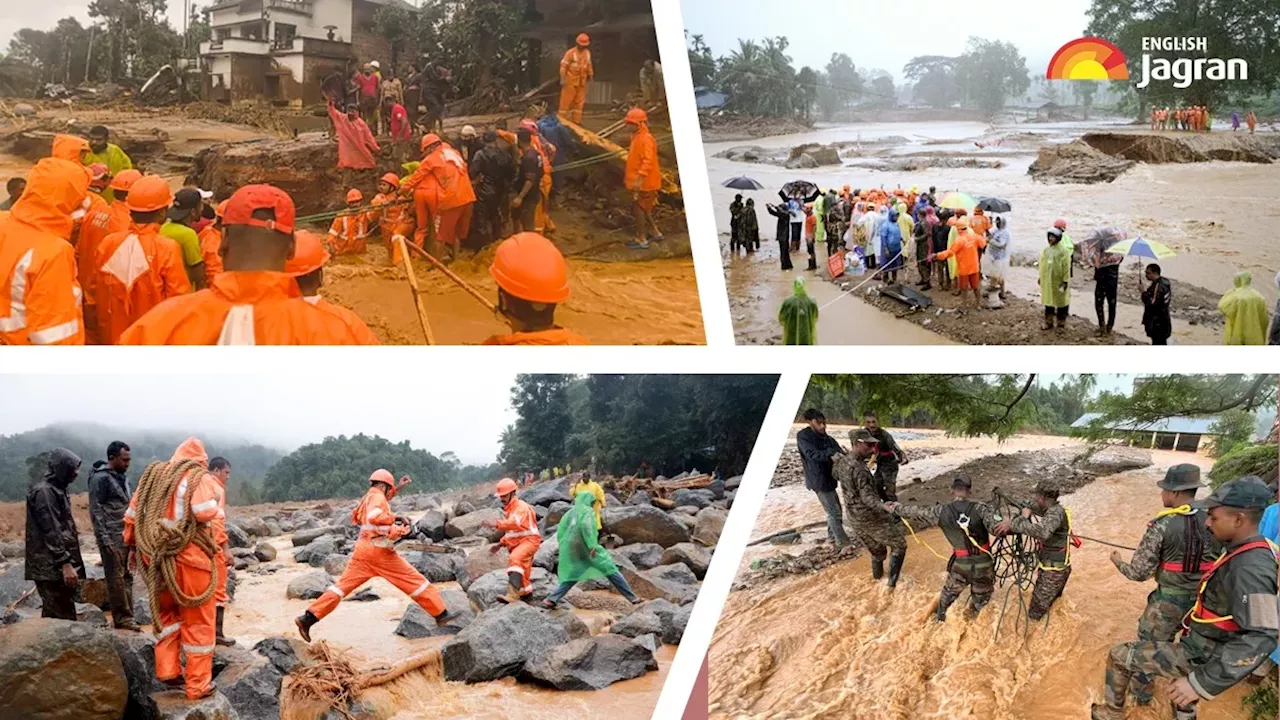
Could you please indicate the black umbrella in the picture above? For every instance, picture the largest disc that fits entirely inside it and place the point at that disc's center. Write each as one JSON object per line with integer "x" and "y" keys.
{"x": 799, "y": 189}
{"x": 742, "y": 182}
{"x": 995, "y": 205}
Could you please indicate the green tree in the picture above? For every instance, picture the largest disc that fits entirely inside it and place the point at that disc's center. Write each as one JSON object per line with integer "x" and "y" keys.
{"x": 1233, "y": 430}
{"x": 537, "y": 438}
{"x": 1085, "y": 91}
{"x": 843, "y": 85}
{"x": 341, "y": 466}
{"x": 807, "y": 92}
{"x": 990, "y": 72}
{"x": 759, "y": 78}
{"x": 886, "y": 93}
{"x": 935, "y": 80}
{"x": 702, "y": 64}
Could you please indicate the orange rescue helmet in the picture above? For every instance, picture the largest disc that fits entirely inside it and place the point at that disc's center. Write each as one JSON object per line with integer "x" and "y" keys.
{"x": 1060, "y": 223}
{"x": 636, "y": 116}
{"x": 391, "y": 179}
{"x": 221, "y": 209}
{"x": 125, "y": 180}
{"x": 428, "y": 140}
{"x": 530, "y": 267}
{"x": 382, "y": 476}
{"x": 354, "y": 196}
{"x": 584, "y": 40}
{"x": 149, "y": 194}
{"x": 506, "y": 486}
{"x": 309, "y": 254}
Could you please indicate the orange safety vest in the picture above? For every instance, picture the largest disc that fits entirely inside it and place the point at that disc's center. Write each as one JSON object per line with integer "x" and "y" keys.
{"x": 520, "y": 523}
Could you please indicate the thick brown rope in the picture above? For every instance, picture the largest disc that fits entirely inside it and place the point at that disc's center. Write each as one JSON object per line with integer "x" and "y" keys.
{"x": 161, "y": 544}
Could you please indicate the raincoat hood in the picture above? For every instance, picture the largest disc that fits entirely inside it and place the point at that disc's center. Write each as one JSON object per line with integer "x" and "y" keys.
{"x": 69, "y": 147}
{"x": 191, "y": 449}
{"x": 63, "y": 465}
{"x": 893, "y": 216}
{"x": 1244, "y": 279}
{"x": 55, "y": 190}
{"x": 586, "y": 500}
{"x": 798, "y": 288}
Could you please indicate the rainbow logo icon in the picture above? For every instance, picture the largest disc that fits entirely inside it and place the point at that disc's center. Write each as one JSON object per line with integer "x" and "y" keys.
{"x": 1088, "y": 59}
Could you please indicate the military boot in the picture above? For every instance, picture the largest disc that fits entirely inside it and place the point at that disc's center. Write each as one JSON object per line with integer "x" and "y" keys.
{"x": 513, "y": 593}
{"x": 304, "y": 623}
{"x": 221, "y": 639}
{"x": 895, "y": 567}
{"x": 877, "y": 568}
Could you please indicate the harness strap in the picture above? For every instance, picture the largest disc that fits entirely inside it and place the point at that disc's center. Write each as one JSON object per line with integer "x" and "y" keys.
{"x": 1199, "y": 613}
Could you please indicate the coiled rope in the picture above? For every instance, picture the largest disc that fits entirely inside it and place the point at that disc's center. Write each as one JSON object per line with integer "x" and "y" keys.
{"x": 160, "y": 541}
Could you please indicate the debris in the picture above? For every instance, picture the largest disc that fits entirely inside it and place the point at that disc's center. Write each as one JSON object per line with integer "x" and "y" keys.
{"x": 1076, "y": 162}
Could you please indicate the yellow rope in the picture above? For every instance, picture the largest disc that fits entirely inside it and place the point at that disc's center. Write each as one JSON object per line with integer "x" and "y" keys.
{"x": 919, "y": 541}
{"x": 160, "y": 544}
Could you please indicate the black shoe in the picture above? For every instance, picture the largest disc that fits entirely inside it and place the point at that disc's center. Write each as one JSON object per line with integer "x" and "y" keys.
{"x": 221, "y": 639}
{"x": 877, "y": 568}
{"x": 304, "y": 623}
{"x": 445, "y": 618}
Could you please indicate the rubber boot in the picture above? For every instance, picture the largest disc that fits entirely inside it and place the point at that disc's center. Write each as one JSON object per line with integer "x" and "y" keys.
{"x": 944, "y": 602}
{"x": 895, "y": 567}
{"x": 445, "y": 618}
{"x": 304, "y": 623}
{"x": 513, "y": 592}
{"x": 221, "y": 639}
{"x": 877, "y": 568}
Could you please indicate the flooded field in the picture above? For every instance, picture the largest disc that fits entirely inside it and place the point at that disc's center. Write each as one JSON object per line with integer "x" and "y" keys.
{"x": 1198, "y": 209}
{"x": 835, "y": 644}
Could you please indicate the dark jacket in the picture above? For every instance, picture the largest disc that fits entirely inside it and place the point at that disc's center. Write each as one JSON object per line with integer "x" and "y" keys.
{"x": 816, "y": 452}
{"x": 1156, "y": 302}
{"x": 52, "y": 539}
{"x": 108, "y": 500}
{"x": 491, "y": 173}
{"x": 784, "y": 221}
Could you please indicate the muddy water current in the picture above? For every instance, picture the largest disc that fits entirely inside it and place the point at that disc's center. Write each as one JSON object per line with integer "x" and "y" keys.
{"x": 836, "y": 644}
{"x": 1217, "y": 215}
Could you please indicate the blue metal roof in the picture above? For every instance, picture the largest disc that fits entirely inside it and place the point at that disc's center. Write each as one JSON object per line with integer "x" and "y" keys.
{"x": 709, "y": 99}
{"x": 1191, "y": 425}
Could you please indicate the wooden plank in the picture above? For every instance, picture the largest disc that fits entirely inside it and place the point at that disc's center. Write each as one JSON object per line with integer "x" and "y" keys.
{"x": 417, "y": 294}
{"x": 670, "y": 185}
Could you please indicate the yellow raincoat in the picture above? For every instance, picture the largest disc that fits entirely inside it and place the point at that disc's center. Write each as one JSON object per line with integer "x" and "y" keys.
{"x": 1246, "y": 312}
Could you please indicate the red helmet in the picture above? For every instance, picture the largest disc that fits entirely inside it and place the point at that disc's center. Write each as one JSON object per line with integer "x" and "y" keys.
{"x": 583, "y": 39}
{"x": 1060, "y": 223}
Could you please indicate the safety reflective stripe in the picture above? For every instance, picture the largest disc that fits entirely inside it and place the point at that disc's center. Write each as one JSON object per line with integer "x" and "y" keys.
{"x": 54, "y": 334}
{"x": 521, "y": 533}
{"x": 237, "y": 328}
{"x": 17, "y": 319}
{"x": 206, "y": 505}
{"x": 380, "y": 529}
{"x": 197, "y": 649}
{"x": 222, "y": 513}
{"x": 171, "y": 629}
{"x": 516, "y": 569}
{"x": 375, "y": 512}
{"x": 336, "y": 591}
{"x": 129, "y": 262}
{"x": 179, "y": 509}
{"x": 130, "y": 513}
{"x": 421, "y": 589}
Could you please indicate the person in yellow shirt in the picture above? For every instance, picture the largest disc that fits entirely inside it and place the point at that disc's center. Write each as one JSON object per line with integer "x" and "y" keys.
{"x": 587, "y": 485}
{"x": 107, "y": 153}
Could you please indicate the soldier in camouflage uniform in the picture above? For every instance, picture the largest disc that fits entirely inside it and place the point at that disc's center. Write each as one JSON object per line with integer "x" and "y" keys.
{"x": 1053, "y": 529}
{"x": 1233, "y": 623}
{"x": 1176, "y": 549}
{"x": 965, "y": 523}
{"x": 888, "y": 457}
{"x": 864, "y": 502}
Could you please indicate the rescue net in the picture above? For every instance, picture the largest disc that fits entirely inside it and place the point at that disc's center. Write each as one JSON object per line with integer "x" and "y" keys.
{"x": 1016, "y": 559}
{"x": 159, "y": 540}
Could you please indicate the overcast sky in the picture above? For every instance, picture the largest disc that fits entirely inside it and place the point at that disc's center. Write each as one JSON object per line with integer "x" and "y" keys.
{"x": 887, "y": 38}
{"x": 280, "y": 412}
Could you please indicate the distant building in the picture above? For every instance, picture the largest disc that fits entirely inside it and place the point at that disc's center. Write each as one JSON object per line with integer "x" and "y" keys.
{"x": 1175, "y": 433}
{"x": 280, "y": 50}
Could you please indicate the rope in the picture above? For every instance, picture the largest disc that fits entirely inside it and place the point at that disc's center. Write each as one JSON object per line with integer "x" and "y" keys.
{"x": 160, "y": 544}
{"x": 1104, "y": 542}
{"x": 919, "y": 541}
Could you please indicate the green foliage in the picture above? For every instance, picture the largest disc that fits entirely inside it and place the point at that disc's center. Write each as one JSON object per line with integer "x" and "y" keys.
{"x": 839, "y": 86}
{"x": 1160, "y": 397}
{"x": 673, "y": 422}
{"x": 1260, "y": 460}
{"x": 759, "y": 77}
{"x": 340, "y": 467}
{"x": 1263, "y": 703}
{"x": 1234, "y": 429}
{"x": 702, "y": 64}
{"x": 990, "y": 72}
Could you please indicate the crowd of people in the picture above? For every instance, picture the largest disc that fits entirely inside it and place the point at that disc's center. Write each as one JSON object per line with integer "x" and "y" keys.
{"x": 1210, "y": 623}
{"x": 968, "y": 253}
{"x": 1195, "y": 118}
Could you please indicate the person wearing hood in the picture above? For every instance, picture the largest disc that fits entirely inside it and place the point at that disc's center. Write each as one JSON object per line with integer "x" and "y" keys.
{"x": 53, "y": 559}
{"x": 820, "y": 222}
{"x": 40, "y": 295}
{"x": 783, "y": 232}
{"x": 831, "y": 221}
{"x": 1106, "y": 277}
{"x": 735, "y": 223}
{"x": 799, "y": 316}
{"x": 749, "y": 227}
{"x": 307, "y": 268}
{"x": 109, "y": 496}
{"x": 1273, "y": 337}
{"x": 70, "y": 148}
{"x": 1246, "y": 313}
{"x": 998, "y": 255}
{"x": 87, "y": 236}
{"x": 941, "y": 232}
{"x": 582, "y": 557}
{"x": 1157, "y": 299}
{"x": 891, "y": 248}
{"x": 1055, "y": 280}
{"x": 923, "y": 237}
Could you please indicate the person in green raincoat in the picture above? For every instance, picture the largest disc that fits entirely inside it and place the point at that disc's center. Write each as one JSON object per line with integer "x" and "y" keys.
{"x": 820, "y": 212}
{"x": 799, "y": 317}
{"x": 1055, "y": 280}
{"x": 106, "y": 153}
{"x": 1246, "y": 312}
{"x": 582, "y": 557}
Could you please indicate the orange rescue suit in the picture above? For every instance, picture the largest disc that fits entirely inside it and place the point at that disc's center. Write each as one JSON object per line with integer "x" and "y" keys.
{"x": 522, "y": 540}
{"x": 358, "y": 329}
{"x": 348, "y": 232}
{"x": 220, "y": 538}
{"x": 210, "y": 244}
{"x": 135, "y": 271}
{"x": 575, "y": 72}
{"x": 643, "y": 173}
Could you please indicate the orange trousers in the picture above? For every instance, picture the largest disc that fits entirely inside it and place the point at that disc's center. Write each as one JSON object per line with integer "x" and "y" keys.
{"x": 573, "y": 98}
{"x": 369, "y": 561}
{"x": 189, "y": 630}
{"x": 454, "y": 225}
{"x": 542, "y": 217}
{"x": 220, "y": 598}
{"x": 389, "y": 231}
{"x": 428, "y": 221}
{"x": 522, "y": 561}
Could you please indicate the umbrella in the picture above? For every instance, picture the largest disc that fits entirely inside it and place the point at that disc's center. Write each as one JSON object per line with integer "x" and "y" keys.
{"x": 995, "y": 205}
{"x": 958, "y": 200}
{"x": 742, "y": 182}
{"x": 799, "y": 189}
{"x": 1142, "y": 248}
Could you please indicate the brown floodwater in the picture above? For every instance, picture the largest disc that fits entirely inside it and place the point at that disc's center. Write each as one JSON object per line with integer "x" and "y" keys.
{"x": 835, "y": 644}
{"x": 1218, "y": 216}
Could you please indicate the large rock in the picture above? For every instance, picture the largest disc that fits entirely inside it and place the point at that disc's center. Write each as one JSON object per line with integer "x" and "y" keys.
{"x": 474, "y": 524}
{"x": 485, "y": 590}
{"x": 679, "y": 622}
{"x": 546, "y": 493}
{"x": 499, "y": 643}
{"x": 573, "y": 625}
{"x": 639, "y": 497}
{"x": 12, "y": 550}
{"x": 642, "y": 555}
{"x": 643, "y": 524}
{"x": 61, "y": 670}
{"x": 237, "y": 537}
{"x": 590, "y": 663}
{"x": 416, "y": 623}
{"x": 265, "y": 552}
{"x": 1111, "y": 460}
{"x": 90, "y": 615}
{"x": 253, "y": 688}
{"x": 174, "y": 705}
{"x": 709, "y": 525}
{"x": 137, "y": 653}
{"x": 804, "y": 161}
{"x": 308, "y": 586}
{"x": 335, "y": 564}
{"x": 604, "y": 601}
{"x": 673, "y": 618}
{"x": 554, "y": 513}
{"x": 548, "y": 554}
{"x": 480, "y": 562}
{"x": 677, "y": 581}
{"x": 281, "y": 652}
{"x": 637, "y": 623}
{"x": 315, "y": 552}
{"x": 733, "y": 482}
{"x": 141, "y": 601}
{"x": 697, "y": 557}
{"x": 437, "y": 567}
{"x": 255, "y": 526}
{"x": 717, "y": 488}
{"x": 274, "y": 528}
{"x": 695, "y": 498}
{"x": 305, "y": 537}
{"x": 13, "y": 586}
{"x": 431, "y": 524}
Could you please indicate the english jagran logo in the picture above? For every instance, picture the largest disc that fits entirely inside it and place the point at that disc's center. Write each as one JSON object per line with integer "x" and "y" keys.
{"x": 1097, "y": 59}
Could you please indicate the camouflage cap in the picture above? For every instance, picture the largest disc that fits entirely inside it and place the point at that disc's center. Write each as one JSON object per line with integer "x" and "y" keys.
{"x": 862, "y": 435}
{"x": 1047, "y": 488}
{"x": 1246, "y": 493}
{"x": 961, "y": 481}
{"x": 1181, "y": 477}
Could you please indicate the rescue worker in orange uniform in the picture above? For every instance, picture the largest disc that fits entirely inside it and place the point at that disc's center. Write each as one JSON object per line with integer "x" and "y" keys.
{"x": 392, "y": 215}
{"x": 211, "y": 244}
{"x": 120, "y": 185}
{"x": 40, "y": 296}
{"x": 349, "y": 230}
{"x": 220, "y": 469}
{"x": 307, "y": 267}
{"x": 424, "y": 187}
{"x": 375, "y": 556}
{"x": 575, "y": 72}
{"x": 532, "y": 279}
{"x": 965, "y": 250}
{"x": 136, "y": 270}
{"x": 70, "y": 148}
{"x": 88, "y": 235}
{"x": 522, "y": 540}
{"x": 253, "y": 301}
{"x": 187, "y": 630}
{"x": 542, "y": 220}
{"x": 643, "y": 178}
{"x": 443, "y": 195}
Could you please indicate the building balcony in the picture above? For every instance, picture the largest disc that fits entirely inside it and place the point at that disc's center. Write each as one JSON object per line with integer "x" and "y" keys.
{"x": 300, "y": 7}
{"x": 314, "y": 47}
{"x": 239, "y": 46}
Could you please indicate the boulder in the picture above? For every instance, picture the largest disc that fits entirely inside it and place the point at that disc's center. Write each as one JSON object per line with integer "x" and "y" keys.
{"x": 274, "y": 528}
{"x": 252, "y": 687}
{"x": 695, "y": 498}
{"x": 729, "y": 495}
{"x": 499, "y": 643}
{"x": 1111, "y": 460}
{"x": 437, "y": 567}
{"x": 174, "y": 705}
{"x": 675, "y": 632}
{"x": 710, "y": 523}
{"x": 554, "y": 513}
{"x": 255, "y": 526}
{"x": 24, "y": 110}
{"x": 804, "y": 161}
{"x": 650, "y": 642}
{"x": 639, "y": 497}
{"x": 281, "y": 652}
{"x": 479, "y": 562}
{"x": 573, "y": 625}
{"x": 485, "y": 590}
{"x": 678, "y": 583}
{"x": 609, "y": 602}
{"x": 241, "y": 552}
{"x": 637, "y": 623}
{"x": 137, "y": 653}
{"x": 689, "y": 510}
{"x": 265, "y": 552}
{"x": 12, "y": 550}
{"x": 733, "y": 482}
{"x": 642, "y": 586}
{"x": 548, "y": 554}
{"x": 669, "y": 615}
{"x": 697, "y": 557}
{"x": 686, "y": 521}
{"x": 590, "y": 663}
{"x": 644, "y": 524}
{"x": 462, "y": 507}
{"x": 13, "y": 585}
{"x": 642, "y": 555}
{"x": 61, "y": 670}
{"x": 319, "y": 549}
{"x": 431, "y": 524}
{"x": 473, "y": 524}
{"x": 308, "y": 586}
{"x": 90, "y": 615}
{"x": 546, "y": 493}
{"x": 416, "y": 623}
{"x": 225, "y": 657}
{"x": 717, "y": 488}
{"x": 365, "y": 595}
{"x": 237, "y": 537}
{"x": 306, "y": 537}
{"x": 335, "y": 564}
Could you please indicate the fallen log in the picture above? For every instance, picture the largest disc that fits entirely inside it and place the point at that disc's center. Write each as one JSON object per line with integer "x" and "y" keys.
{"x": 663, "y": 503}
{"x": 788, "y": 531}
{"x": 670, "y": 184}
